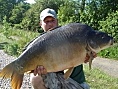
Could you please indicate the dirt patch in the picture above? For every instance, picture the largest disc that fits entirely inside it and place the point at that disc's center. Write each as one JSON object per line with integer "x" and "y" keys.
{"x": 108, "y": 66}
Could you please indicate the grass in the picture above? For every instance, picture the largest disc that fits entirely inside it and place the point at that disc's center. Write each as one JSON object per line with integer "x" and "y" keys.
{"x": 97, "y": 79}
{"x": 13, "y": 41}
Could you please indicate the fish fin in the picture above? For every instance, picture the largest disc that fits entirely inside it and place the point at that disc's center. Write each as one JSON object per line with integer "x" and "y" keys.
{"x": 90, "y": 60}
{"x": 7, "y": 71}
{"x": 10, "y": 72}
{"x": 16, "y": 80}
{"x": 68, "y": 72}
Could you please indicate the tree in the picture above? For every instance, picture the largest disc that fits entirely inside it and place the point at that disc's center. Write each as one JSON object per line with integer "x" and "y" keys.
{"x": 107, "y": 6}
{"x": 6, "y": 7}
{"x": 68, "y": 12}
{"x": 110, "y": 25}
{"x": 97, "y": 10}
{"x": 17, "y": 13}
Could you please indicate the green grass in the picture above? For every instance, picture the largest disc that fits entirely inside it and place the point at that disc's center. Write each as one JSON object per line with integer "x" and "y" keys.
{"x": 13, "y": 41}
{"x": 99, "y": 80}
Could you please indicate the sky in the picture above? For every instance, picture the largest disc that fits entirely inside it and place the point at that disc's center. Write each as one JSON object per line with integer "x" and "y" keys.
{"x": 30, "y": 1}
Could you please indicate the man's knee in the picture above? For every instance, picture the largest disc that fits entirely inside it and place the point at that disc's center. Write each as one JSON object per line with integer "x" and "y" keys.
{"x": 37, "y": 82}
{"x": 85, "y": 85}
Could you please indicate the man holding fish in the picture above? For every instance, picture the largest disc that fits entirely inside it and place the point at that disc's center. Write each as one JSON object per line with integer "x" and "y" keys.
{"x": 60, "y": 48}
{"x": 48, "y": 21}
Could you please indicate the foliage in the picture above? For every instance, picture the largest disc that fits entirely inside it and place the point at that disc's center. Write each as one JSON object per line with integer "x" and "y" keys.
{"x": 17, "y": 14}
{"x": 6, "y": 6}
{"x": 110, "y": 52}
{"x": 15, "y": 40}
{"x": 12, "y": 49}
{"x": 110, "y": 25}
{"x": 6, "y": 26}
{"x": 68, "y": 13}
{"x": 54, "y": 4}
{"x": 84, "y": 11}
{"x": 90, "y": 14}
{"x": 107, "y": 6}
{"x": 31, "y": 19}
{"x": 97, "y": 10}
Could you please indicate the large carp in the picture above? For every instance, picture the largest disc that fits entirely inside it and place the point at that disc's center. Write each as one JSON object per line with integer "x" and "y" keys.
{"x": 62, "y": 48}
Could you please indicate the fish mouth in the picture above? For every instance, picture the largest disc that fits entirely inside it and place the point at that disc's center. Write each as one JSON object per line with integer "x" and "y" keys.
{"x": 111, "y": 42}
{"x": 99, "y": 48}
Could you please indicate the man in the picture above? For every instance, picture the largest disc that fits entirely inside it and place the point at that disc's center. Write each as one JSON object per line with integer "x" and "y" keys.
{"x": 48, "y": 21}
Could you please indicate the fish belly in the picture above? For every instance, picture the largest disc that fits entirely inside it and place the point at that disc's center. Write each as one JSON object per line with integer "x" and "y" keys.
{"x": 59, "y": 58}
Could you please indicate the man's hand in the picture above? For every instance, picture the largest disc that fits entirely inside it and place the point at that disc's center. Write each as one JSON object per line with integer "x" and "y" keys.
{"x": 40, "y": 70}
{"x": 87, "y": 57}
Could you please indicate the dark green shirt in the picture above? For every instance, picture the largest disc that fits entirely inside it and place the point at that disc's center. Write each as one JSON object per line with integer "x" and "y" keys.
{"x": 78, "y": 74}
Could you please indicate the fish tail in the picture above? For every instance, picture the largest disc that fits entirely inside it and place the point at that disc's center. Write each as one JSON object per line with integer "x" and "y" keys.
{"x": 16, "y": 80}
{"x": 10, "y": 72}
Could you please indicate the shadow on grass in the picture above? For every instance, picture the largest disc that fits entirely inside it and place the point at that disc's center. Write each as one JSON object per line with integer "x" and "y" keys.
{"x": 2, "y": 45}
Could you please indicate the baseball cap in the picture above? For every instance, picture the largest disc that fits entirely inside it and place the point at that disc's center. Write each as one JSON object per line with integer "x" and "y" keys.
{"x": 48, "y": 12}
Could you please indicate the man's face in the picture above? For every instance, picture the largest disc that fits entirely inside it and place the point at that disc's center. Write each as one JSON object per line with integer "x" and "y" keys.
{"x": 49, "y": 23}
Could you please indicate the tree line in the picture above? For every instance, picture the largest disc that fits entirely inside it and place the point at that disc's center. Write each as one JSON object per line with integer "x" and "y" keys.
{"x": 99, "y": 14}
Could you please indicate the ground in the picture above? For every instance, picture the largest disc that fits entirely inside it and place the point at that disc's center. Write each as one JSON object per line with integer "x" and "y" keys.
{"x": 5, "y": 84}
{"x": 108, "y": 66}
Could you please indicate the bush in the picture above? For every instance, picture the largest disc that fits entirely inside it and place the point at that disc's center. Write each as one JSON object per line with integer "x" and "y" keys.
{"x": 110, "y": 25}
{"x": 110, "y": 52}
{"x": 12, "y": 49}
